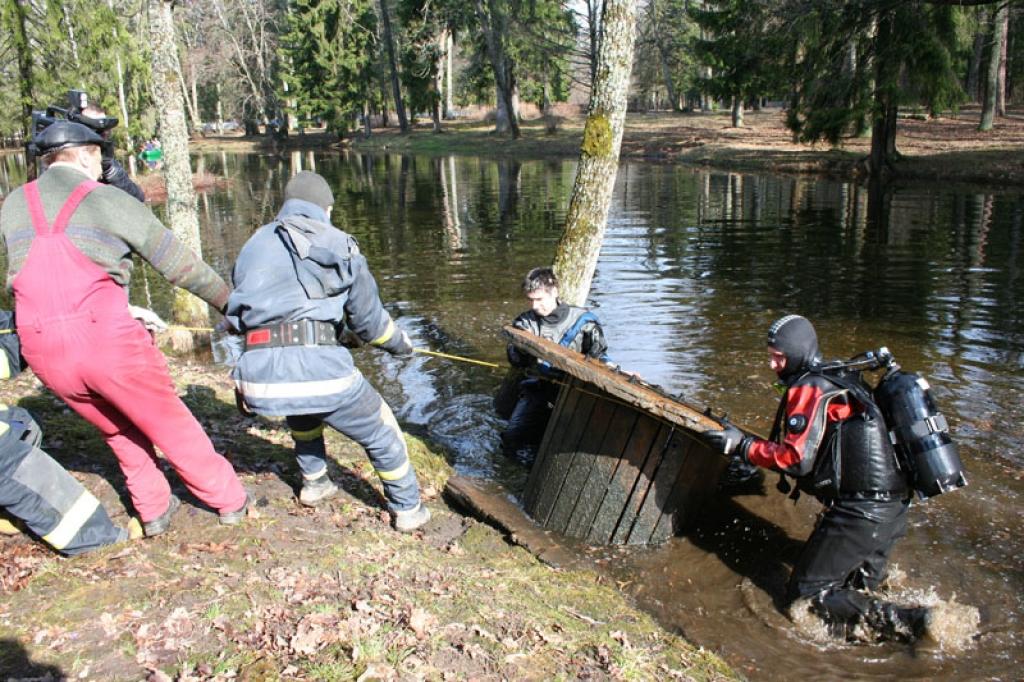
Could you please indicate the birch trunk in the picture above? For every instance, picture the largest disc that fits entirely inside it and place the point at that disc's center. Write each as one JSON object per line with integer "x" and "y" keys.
{"x": 182, "y": 213}
{"x": 580, "y": 245}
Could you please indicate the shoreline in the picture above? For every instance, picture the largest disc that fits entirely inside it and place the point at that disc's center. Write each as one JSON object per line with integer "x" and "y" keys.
{"x": 945, "y": 149}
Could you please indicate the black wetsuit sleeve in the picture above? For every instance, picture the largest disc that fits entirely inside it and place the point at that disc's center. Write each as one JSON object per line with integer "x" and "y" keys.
{"x": 594, "y": 344}
{"x": 115, "y": 175}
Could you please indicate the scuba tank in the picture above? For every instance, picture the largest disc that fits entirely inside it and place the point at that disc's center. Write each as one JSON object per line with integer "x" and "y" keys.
{"x": 919, "y": 432}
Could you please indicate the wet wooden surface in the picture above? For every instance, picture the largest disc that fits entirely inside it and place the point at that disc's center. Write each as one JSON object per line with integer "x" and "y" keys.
{"x": 620, "y": 461}
{"x": 618, "y": 385}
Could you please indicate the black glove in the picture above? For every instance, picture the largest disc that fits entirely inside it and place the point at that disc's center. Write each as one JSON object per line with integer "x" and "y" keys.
{"x": 728, "y": 441}
{"x": 115, "y": 175}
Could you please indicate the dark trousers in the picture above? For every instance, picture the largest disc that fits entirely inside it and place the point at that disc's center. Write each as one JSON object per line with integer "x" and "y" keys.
{"x": 530, "y": 415}
{"x": 848, "y": 552}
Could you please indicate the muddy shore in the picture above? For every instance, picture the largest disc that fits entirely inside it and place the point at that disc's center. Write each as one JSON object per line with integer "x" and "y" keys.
{"x": 302, "y": 594}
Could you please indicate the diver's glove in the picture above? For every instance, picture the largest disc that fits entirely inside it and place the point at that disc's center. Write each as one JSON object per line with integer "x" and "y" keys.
{"x": 728, "y": 441}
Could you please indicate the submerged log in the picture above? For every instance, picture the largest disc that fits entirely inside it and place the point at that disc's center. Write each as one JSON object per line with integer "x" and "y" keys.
{"x": 620, "y": 462}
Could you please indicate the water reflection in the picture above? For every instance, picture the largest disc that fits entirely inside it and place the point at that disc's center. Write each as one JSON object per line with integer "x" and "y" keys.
{"x": 694, "y": 268}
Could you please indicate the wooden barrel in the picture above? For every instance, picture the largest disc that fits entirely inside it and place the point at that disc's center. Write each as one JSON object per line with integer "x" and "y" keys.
{"x": 620, "y": 462}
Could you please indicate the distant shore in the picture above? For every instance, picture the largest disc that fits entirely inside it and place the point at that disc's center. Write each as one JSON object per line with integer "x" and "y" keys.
{"x": 946, "y": 149}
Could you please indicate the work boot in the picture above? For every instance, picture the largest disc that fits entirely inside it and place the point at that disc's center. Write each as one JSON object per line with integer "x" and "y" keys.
{"x": 411, "y": 519}
{"x": 160, "y": 524}
{"x": 905, "y": 624}
{"x": 316, "y": 490}
{"x": 233, "y": 518}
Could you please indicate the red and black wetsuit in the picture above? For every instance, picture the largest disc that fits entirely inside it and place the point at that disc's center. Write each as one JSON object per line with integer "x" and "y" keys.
{"x": 832, "y": 439}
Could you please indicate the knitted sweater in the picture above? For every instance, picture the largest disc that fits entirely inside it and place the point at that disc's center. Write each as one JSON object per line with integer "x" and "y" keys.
{"x": 107, "y": 227}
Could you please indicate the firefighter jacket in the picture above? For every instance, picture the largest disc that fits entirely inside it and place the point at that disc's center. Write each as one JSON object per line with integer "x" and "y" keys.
{"x": 574, "y": 328}
{"x": 832, "y": 438}
{"x": 299, "y": 269}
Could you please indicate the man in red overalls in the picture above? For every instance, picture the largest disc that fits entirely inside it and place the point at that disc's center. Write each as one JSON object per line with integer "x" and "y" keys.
{"x": 69, "y": 244}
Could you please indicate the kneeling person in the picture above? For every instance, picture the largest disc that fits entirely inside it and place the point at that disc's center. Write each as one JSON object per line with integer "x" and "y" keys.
{"x": 297, "y": 280}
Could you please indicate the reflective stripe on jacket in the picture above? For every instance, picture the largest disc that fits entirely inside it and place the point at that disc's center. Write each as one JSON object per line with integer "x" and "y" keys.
{"x": 300, "y": 267}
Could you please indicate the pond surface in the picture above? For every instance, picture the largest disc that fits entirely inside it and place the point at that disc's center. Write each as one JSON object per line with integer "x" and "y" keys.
{"x": 695, "y": 266}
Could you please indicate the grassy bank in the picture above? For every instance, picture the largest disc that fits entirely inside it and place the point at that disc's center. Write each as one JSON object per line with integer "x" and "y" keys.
{"x": 298, "y": 594}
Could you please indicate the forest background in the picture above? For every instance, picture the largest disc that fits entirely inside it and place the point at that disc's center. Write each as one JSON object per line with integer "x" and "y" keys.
{"x": 842, "y": 70}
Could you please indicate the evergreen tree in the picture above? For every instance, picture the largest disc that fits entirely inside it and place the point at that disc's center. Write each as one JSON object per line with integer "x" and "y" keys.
{"x": 854, "y": 63}
{"x": 741, "y": 48}
{"x": 329, "y": 47}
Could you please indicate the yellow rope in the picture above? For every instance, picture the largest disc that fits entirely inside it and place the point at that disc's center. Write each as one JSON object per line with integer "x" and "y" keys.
{"x": 456, "y": 357}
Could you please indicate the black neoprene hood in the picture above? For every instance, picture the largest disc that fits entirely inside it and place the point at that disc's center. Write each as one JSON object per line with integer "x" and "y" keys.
{"x": 794, "y": 336}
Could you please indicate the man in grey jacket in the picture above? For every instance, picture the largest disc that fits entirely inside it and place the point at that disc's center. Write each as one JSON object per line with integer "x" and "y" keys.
{"x": 297, "y": 281}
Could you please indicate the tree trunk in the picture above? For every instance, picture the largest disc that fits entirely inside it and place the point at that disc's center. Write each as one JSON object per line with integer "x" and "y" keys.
{"x": 883, "y": 130}
{"x": 493, "y": 25}
{"x": 974, "y": 65}
{"x": 438, "y": 94}
{"x": 1003, "y": 45}
{"x": 17, "y": 20}
{"x": 389, "y": 44}
{"x": 182, "y": 212}
{"x": 580, "y": 245}
{"x": 666, "y": 74}
{"x": 988, "y": 110}
{"x": 737, "y": 112}
{"x": 449, "y": 90}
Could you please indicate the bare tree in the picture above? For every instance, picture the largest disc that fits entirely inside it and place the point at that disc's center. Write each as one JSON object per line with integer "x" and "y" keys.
{"x": 580, "y": 245}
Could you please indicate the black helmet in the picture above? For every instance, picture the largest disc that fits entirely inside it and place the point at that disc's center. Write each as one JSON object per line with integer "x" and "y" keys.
{"x": 64, "y": 134}
{"x": 794, "y": 336}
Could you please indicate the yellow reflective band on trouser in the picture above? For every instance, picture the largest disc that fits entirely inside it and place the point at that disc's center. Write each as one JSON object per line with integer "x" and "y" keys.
{"x": 4, "y": 428}
{"x": 395, "y": 474}
{"x": 72, "y": 521}
{"x": 312, "y": 434}
{"x": 386, "y": 336}
{"x": 388, "y": 417}
{"x": 5, "y": 367}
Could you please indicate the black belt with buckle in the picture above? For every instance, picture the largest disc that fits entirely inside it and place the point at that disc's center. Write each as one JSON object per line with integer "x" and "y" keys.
{"x": 294, "y": 333}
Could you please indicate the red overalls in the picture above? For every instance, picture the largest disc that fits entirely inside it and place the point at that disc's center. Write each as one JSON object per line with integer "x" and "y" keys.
{"x": 78, "y": 337}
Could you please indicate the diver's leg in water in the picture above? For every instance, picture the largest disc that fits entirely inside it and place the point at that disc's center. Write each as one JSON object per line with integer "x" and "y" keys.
{"x": 850, "y": 546}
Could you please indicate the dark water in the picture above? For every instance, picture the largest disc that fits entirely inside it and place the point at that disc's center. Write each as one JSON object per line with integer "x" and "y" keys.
{"x": 694, "y": 267}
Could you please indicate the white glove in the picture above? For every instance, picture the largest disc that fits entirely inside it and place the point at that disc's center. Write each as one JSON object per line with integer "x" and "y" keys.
{"x": 150, "y": 320}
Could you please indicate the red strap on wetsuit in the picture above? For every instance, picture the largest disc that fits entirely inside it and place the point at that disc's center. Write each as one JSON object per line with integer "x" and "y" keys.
{"x": 35, "y": 207}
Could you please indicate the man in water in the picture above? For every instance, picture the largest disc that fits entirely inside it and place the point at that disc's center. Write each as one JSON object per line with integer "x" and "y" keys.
{"x": 865, "y": 507}
{"x": 298, "y": 280}
{"x": 574, "y": 328}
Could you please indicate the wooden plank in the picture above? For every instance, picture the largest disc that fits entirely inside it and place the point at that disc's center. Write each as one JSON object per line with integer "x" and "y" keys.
{"x": 582, "y": 462}
{"x": 644, "y": 481}
{"x": 655, "y": 504}
{"x": 606, "y": 461}
{"x": 630, "y": 390}
{"x": 562, "y": 449}
{"x": 541, "y": 463}
{"x": 641, "y": 440}
{"x": 697, "y": 481}
{"x": 493, "y": 506}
